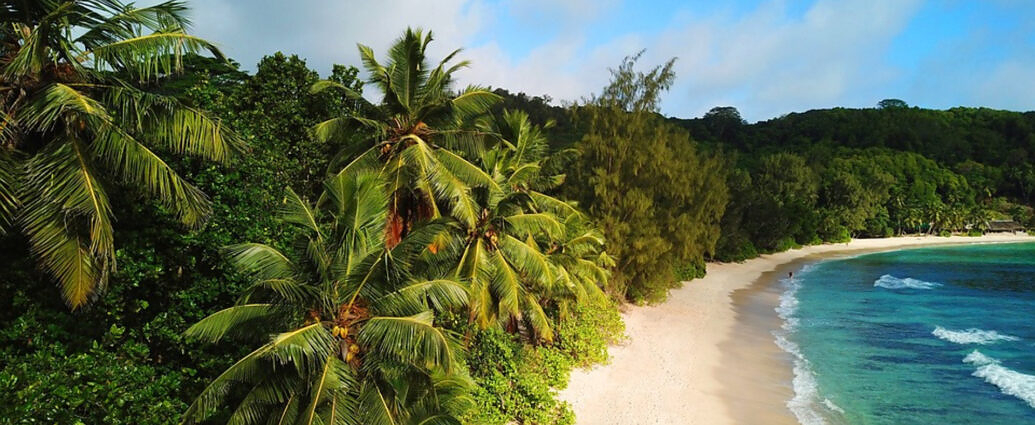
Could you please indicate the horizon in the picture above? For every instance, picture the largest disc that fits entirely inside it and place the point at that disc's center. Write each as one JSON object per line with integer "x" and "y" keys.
{"x": 767, "y": 58}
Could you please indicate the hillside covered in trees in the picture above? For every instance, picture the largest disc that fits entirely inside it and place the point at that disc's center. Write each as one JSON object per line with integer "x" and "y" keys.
{"x": 186, "y": 241}
{"x": 871, "y": 172}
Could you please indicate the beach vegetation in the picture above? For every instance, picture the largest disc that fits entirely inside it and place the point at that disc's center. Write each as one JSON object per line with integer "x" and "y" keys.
{"x": 645, "y": 182}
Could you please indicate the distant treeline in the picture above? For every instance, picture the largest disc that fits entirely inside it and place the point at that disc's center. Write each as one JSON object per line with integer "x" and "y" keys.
{"x": 830, "y": 175}
{"x": 827, "y": 175}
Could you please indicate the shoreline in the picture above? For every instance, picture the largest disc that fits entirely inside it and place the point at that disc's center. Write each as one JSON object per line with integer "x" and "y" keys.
{"x": 706, "y": 354}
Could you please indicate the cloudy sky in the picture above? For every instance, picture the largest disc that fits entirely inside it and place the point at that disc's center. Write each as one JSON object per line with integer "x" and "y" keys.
{"x": 765, "y": 57}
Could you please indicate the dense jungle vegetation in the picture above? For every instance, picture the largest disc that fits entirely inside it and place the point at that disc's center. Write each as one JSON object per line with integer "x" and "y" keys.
{"x": 184, "y": 241}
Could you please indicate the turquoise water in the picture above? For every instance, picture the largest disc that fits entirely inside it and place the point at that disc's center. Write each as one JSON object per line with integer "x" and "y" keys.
{"x": 923, "y": 336}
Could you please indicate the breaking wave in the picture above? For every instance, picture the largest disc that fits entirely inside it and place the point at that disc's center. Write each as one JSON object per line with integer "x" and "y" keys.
{"x": 971, "y": 336}
{"x": 891, "y": 282}
{"x": 807, "y": 404}
{"x": 1009, "y": 381}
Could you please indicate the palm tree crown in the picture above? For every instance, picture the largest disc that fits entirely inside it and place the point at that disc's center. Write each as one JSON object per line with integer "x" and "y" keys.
{"x": 76, "y": 121}
{"x": 348, "y": 323}
{"x": 419, "y": 115}
{"x": 514, "y": 257}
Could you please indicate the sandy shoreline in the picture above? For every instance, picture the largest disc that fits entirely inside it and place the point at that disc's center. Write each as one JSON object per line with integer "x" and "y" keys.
{"x": 705, "y": 356}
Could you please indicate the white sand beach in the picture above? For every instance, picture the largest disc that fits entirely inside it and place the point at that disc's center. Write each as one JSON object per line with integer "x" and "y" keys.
{"x": 682, "y": 363}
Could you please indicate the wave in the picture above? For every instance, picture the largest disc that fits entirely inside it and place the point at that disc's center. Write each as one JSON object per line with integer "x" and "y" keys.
{"x": 1009, "y": 381}
{"x": 971, "y": 336}
{"x": 891, "y": 282}
{"x": 807, "y": 403}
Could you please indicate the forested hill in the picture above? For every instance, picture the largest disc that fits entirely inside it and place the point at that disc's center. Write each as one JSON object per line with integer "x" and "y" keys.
{"x": 988, "y": 136}
{"x": 869, "y": 172}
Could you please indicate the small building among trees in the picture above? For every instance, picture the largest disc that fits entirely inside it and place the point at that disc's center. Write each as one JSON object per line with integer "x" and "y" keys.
{"x": 1004, "y": 226}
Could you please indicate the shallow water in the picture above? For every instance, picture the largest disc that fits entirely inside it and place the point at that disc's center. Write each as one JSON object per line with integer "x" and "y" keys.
{"x": 922, "y": 336}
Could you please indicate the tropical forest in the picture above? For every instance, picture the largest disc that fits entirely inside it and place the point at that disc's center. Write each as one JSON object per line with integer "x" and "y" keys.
{"x": 184, "y": 239}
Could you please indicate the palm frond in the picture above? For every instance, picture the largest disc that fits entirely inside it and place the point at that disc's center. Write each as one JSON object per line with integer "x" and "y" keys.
{"x": 64, "y": 191}
{"x": 534, "y": 224}
{"x": 526, "y": 259}
{"x": 304, "y": 347}
{"x": 190, "y": 131}
{"x": 9, "y": 188}
{"x": 126, "y": 19}
{"x": 464, "y": 170}
{"x": 249, "y": 368}
{"x": 56, "y": 104}
{"x": 473, "y": 101}
{"x": 263, "y": 261}
{"x": 149, "y": 56}
{"x": 136, "y": 164}
{"x": 548, "y": 203}
{"x": 295, "y": 210}
{"x": 413, "y": 340}
{"x": 506, "y": 285}
{"x": 333, "y": 378}
{"x": 233, "y": 319}
{"x": 537, "y": 318}
{"x": 439, "y": 294}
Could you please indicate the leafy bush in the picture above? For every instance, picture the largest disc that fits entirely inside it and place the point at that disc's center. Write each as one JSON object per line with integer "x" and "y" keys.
{"x": 109, "y": 383}
{"x": 944, "y": 233}
{"x": 735, "y": 249}
{"x": 586, "y": 336}
{"x": 786, "y": 243}
{"x": 690, "y": 271}
{"x": 517, "y": 382}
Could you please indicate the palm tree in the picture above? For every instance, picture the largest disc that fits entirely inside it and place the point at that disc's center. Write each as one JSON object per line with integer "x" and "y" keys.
{"x": 581, "y": 266}
{"x": 509, "y": 276}
{"x": 418, "y": 121}
{"x": 76, "y": 122}
{"x": 348, "y": 327}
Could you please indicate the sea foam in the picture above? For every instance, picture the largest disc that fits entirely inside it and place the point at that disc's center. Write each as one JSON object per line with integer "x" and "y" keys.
{"x": 891, "y": 282}
{"x": 1009, "y": 381}
{"x": 807, "y": 403}
{"x": 971, "y": 336}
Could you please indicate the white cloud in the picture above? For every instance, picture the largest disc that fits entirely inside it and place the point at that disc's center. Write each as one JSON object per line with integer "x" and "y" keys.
{"x": 766, "y": 62}
{"x": 325, "y": 32}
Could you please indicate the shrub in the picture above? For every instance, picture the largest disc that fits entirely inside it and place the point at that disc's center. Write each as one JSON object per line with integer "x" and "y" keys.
{"x": 785, "y": 244}
{"x": 514, "y": 382}
{"x": 518, "y": 383}
{"x": 690, "y": 271}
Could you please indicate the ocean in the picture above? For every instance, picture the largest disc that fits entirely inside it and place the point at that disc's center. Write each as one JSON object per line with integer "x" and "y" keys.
{"x": 942, "y": 335}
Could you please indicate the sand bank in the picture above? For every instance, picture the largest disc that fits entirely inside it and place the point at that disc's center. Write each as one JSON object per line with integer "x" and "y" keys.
{"x": 705, "y": 356}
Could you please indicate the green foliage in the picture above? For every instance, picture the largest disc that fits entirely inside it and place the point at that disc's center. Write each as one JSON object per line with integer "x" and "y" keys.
{"x": 784, "y": 200}
{"x": 514, "y": 382}
{"x": 586, "y": 336}
{"x": 517, "y": 382}
{"x": 645, "y": 183}
{"x": 111, "y": 382}
{"x": 83, "y": 122}
{"x": 690, "y": 271}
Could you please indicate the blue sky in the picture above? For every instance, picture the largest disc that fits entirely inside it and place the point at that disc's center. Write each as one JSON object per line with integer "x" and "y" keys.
{"x": 764, "y": 57}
